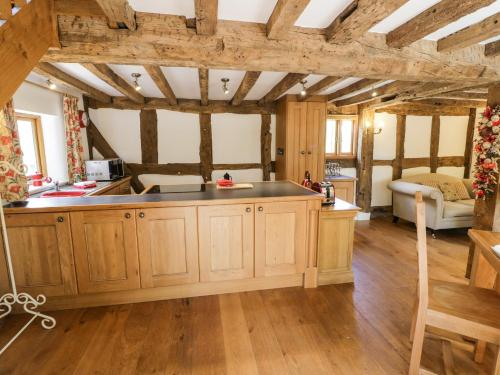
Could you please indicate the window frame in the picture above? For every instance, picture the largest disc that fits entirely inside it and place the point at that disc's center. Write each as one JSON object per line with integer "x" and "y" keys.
{"x": 36, "y": 124}
{"x": 354, "y": 145}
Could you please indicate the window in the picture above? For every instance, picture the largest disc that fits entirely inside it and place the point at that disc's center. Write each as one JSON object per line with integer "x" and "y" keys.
{"x": 341, "y": 137}
{"x": 31, "y": 140}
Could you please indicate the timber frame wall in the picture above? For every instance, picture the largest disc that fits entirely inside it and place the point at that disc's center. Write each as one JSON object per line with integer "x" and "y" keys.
{"x": 149, "y": 149}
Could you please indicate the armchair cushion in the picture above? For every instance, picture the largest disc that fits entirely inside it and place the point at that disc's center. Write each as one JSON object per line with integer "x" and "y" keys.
{"x": 455, "y": 209}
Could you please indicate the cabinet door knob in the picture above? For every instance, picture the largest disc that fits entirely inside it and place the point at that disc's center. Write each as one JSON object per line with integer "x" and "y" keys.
{"x": 261, "y": 209}
{"x": 141, "y": 215}
{"x": 127, "y": 215}
{"x": 60, "y": 219}
{"x": 302, "y": 152}
{"x": 248, "y": 209}
{"x": 309, "y": 152}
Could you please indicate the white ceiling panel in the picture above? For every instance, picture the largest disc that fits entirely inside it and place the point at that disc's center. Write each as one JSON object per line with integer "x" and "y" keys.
{"x": 183, "y": 81}
{"x": 176, "y": 7}
{"x": 491, "y": 40}
{"x": 244, "y": 10}
{"x": 346, "y": 82}
{"x": 409, "y": 10}
{"x": 321, "y": 13}
{"x": 149, "y": 88}
{"x": 215, "y": 84}
{"x": 79, "y": 72}
{"x": 264, "y": 84}
{"x": 311, "y": 80}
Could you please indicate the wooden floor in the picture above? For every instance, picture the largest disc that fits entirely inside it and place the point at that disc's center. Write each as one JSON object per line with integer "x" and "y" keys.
{"x": 346, "y": 329}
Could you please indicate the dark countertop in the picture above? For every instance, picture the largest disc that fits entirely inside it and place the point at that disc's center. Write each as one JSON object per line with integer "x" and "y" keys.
{"x": 261, "y": 190}
{"x": 100, "y": 185}
{"x": 339, "y": 178}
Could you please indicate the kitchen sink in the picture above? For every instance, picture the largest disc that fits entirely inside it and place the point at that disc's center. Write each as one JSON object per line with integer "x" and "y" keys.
{"x": 69, "y": 193}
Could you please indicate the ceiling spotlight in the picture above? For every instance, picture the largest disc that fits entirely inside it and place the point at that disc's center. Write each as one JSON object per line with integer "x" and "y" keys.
{"x": 225, "y": 87}
{"x": 51, "y": 84}
{"x": 374, "y": 93}
{"x": 303, "y": 92}
{"x": 136, "y": 77}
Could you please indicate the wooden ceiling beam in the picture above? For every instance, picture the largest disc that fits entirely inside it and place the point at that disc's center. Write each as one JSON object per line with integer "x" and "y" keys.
{"x": 473, "y": 34}
{"x": 383, "y": 91}
{"x": 464, "y": 95}
{"x": 452, "y": 102}
{"x": 432, "y": 19}
{"x": 104, "y": 72}
{"x": 290, "y": 80}
{"x": 416, "y": 109}
{"x": 78, "y": 8}
{"x": 359, "y": 17}
{"x": 322, "y": 85}
{"x": 161, "y": 82}
{"x": 57, "y": 75}
{"x": 356, "y": 86}
{"x": 283, "y": 18}
{"x": 119, "y": 13}
{"x": 492, "y": 49}
{"x": 206, "y": 16}
{"x": 203, "y": 78}
{"x": 245, "y": 86}
{"x": 166, "y": 40}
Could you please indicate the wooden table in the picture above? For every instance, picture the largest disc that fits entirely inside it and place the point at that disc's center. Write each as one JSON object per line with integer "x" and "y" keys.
{"x": 486, "y": 264}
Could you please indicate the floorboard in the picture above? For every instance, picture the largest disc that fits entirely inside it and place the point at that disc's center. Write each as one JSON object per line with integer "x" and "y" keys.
{"x": 359, "y": 328}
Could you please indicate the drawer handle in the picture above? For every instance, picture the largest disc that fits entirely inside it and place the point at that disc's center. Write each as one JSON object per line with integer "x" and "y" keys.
{"x": 60, "y": 219}
{"x": 261, "y": 209}
{"x": 248, "y": 209}
{"x": 127, "y": 215}
{"x": 141, "y": 215}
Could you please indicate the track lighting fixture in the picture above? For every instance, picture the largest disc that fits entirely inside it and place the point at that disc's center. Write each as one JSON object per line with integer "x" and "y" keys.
{"x": 136, "y": 77}
{"x": 51, "y": 84}
{"x": 303, "y": 92}
{"x": 225, "y": 87}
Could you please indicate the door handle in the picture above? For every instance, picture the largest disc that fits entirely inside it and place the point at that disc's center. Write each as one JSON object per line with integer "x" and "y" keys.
{"x": 248, "y": 209}
{"x": 309, "y": 152}
{"x": 261, "y": 209}
{"x": 127, "y": 215}
{"x": 142, "y": 215}
{"x": 302, "y": 152}
{"x": 60, "y": 219}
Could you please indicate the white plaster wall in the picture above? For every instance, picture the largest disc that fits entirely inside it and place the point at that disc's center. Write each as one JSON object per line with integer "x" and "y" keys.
{"x": 384, "y": 144}
{"x": 158, "y": 179}
{"x": 452, "y": 171}
{"x": 381, "y": 195}
{"x": 452, "y": 135}
{"x": 178, "y": 137}
{"x": 418, "y": 136}
{"x": 240, "y": 175}
{"x": 414, "y": 171}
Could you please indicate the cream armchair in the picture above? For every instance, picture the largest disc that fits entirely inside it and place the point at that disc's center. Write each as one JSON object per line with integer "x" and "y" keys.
{"x": 440, "y": 214}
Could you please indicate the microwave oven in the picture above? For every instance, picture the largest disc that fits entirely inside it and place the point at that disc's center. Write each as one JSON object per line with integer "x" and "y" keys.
{"x": 104, "y": 170}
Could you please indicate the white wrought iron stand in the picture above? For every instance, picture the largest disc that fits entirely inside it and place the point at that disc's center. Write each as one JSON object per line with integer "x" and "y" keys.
{"x": 28, "y": 302}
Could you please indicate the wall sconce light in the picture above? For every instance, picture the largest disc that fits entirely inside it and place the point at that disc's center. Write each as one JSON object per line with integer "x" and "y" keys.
{"x": 225, "y": 87}
{"x": 376, "y": 129}
{"x": 303, "y": 92}
{"x": 51, "y": 84}
{"x": 136, "y": 77}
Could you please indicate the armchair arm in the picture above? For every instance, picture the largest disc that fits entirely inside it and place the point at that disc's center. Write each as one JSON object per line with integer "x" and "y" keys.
{"x": 468, "y": 184}
{"x": 409, "y": 188}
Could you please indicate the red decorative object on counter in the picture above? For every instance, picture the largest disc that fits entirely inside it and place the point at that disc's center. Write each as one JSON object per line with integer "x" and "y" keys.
{"x": 307, "y": 180}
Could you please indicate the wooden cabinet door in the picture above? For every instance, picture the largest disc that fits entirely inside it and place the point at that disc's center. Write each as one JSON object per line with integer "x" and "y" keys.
{"x": 335, "y": 242}
{"x": 344, "y": 190}
{"x": 315, "y": 138}
{"x": 280, "y": 238}
{"x": 168, "y": 246}
{"x": 105, "y": 246}
{"x": 296, "y": 147}
{"x": 42, "y": 255}
{"x": 226, "y": 239}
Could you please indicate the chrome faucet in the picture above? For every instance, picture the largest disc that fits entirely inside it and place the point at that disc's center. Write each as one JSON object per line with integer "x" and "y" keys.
{"x": 56, "y": 185}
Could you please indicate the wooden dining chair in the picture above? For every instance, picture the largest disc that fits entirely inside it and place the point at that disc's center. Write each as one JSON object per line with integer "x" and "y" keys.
{"x": 462, "y": 309}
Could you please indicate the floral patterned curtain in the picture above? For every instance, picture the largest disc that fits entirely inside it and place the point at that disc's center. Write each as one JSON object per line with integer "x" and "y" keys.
{"x": 74, "y": 148}
{"x": 13, "y": 185}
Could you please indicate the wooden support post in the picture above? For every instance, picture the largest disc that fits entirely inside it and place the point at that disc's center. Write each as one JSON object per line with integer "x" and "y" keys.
{"x": 365, "y": 158}
{"x": 436, "y": 125}
{"x": 149, "y": 136}
{"x": 265, "y": 147}
{"x": 206, "y": 157}
{"x": 397, "y": 169}
{"x": 469, "y": 140}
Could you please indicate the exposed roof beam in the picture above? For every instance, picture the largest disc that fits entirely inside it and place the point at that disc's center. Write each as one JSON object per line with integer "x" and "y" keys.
{"x": 452, "y": 102}
{"x": 283, "y": 18}
{"x": 473, "y": 34}
{"x": 416, "y": 109}
{"x": 383, "y": 91}
{"x": 358, "y": 18}
{"x": 433, "y": 19}
{"x": 165, "y": 39}
{"x": 206, "y": 16}
{"x": 203, "y": 78}
{"x": 105, "y": 73}
{"x": 245, "y": 86}
{"x": 492, "y": 49}
{"x": 322, "y": 85}
{"x": 77, "y": 7}
{"x": 290, "y": 80}
{"x": 119, "y": 13}
{"x": 161, "y": 82}
{"x": 464, "y": 95}
{"x": 356, "y": 86}
{"x": 58, "y": 75}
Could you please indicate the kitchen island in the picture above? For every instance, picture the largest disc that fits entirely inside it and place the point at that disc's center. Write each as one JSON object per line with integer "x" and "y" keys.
{"x": 104, "y": 250}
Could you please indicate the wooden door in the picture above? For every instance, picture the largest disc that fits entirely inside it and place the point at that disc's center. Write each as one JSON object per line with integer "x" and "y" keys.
{"x": 42, "y": 255}
{"x": 315, "y": 138}
{"x": 280, "y": 238}
{"x": 296, "y": 140}
{"x": 226, "y": 241}
{"x": 168, "y": 246}
{"x": 105, "y": 246}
